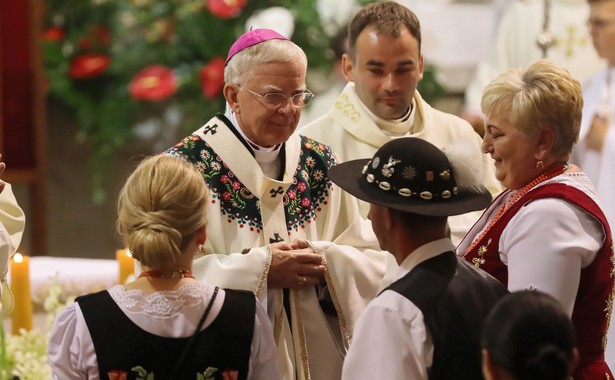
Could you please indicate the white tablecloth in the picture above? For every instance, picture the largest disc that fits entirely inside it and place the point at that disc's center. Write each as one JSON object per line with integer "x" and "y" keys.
{"x": 75, "y": 276}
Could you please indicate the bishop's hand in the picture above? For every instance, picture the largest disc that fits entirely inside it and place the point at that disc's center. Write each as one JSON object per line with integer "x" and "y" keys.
{"x": 294, "y": 268}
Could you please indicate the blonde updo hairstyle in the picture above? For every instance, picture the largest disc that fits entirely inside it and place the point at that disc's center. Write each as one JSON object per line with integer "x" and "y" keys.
{"x": 543, "y": 95}
{"x": 161, "y": 206}
{"x": 240, "y": 67}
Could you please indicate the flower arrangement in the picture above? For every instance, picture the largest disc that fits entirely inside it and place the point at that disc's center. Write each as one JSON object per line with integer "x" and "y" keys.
{"x": 24, "y": 356}
{"x": 140, "y": 70}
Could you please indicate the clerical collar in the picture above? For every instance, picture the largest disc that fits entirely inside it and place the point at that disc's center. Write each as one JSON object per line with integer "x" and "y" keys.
{"x": 230, "y": 114}
{"x": 268, "y": 159}
{"x": 396, "y": 127}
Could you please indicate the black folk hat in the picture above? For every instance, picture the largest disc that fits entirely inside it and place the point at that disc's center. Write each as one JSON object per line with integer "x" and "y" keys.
{"x": 412, "y": 175}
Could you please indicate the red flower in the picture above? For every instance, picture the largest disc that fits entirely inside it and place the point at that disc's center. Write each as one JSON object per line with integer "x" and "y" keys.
{"x": 153, "y": 83}
{"x": 226, "y": 8}
{"x": 117, "y": 375}
{"x": 54, "y": 34}
{"x": 88, "y": 66}
{"x": 212, "y": 77}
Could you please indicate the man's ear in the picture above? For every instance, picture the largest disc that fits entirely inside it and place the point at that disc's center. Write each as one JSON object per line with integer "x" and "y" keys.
{"x": 347, "y": 67}
{"x": 388, "y": 217}
{"x": 421, "y": 66}
{"x": 231, "y": 94}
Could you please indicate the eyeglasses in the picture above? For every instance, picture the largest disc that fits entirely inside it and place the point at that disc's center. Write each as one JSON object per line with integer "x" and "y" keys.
{"x": 599, "y": 23}
{"x": 275, "y": 100}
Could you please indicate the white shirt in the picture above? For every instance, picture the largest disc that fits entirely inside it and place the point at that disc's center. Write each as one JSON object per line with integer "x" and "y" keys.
{"x": 391, "y": 340}
{"x": 547, "y": 243}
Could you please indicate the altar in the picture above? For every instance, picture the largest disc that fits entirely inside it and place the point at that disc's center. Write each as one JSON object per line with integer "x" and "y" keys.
{"x": 73, "y": 276}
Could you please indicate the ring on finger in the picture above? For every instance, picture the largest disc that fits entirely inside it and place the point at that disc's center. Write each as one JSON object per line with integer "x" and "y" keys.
{"x": 301, "y": 280}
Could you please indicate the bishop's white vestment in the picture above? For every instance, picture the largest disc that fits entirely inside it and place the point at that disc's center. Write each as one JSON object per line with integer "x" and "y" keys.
{"x": 249, "y": 211}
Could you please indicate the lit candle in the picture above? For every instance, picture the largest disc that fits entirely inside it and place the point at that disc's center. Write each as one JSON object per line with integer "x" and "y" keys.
{"x": 20, "y": 285}
{"x": 126, "y": 264}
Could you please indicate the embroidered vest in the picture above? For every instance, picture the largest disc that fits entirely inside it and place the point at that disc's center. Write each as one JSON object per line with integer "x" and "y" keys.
{"x": 302, "y": 199}
{"x": 593, "y": 304}
{"x": 455, "y": 298}
{"x": 121, "y": 346}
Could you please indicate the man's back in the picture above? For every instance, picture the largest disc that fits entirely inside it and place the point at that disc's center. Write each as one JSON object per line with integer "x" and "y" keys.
{"x": 454, "y": 298}
{"x": 427, "y": 324}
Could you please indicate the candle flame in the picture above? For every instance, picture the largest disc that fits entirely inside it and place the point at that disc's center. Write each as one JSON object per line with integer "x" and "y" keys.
{"x": 18, "y": 257}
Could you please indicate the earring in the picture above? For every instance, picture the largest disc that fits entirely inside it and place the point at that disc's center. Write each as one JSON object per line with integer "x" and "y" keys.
{"x": 540, "y": 164}
{"x": 202, "y": 249}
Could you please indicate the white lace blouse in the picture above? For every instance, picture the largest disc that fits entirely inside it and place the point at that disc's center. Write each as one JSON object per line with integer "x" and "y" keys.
{"x": 168, "y": 314}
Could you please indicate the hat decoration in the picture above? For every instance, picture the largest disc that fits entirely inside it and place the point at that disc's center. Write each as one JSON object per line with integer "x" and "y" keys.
{"x": 412, "y": 175}
{"x": 251, "y": 38}
{"x": 409, "y": 173}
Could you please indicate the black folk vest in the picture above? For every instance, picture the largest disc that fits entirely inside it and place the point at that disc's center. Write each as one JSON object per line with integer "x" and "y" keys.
{"x": 124, "y": 349}
{"x": 454, "y": 298}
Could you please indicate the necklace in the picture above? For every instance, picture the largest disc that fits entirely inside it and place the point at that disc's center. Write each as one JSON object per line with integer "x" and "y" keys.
{"x": 553, "y": 170}
{"x": 171, "y": 274}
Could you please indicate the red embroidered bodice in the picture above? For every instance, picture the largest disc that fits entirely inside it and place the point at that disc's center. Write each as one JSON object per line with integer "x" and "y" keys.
{"x": 593, "y": 304}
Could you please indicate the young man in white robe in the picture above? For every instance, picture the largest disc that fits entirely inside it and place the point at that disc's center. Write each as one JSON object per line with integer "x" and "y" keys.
{"x": 595, "y": 151}
{"x": 270, "y": 188}
{"x": 380, "y": 103}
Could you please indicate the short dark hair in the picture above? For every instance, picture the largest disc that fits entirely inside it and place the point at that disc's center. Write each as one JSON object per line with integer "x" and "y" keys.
{"x": 388, "y": 17}
{"x": 529, "y": 334}
{"x": 410, "y": 219}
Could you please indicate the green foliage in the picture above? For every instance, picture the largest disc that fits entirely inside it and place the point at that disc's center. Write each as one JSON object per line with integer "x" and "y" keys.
{"x": 182, "y": 35}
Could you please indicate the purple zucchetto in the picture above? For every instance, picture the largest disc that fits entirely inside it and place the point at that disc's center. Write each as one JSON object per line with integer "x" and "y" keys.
{"x": 251, "y": 38}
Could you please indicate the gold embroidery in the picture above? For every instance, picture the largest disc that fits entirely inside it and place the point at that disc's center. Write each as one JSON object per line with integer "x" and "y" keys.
{"x": 343, "y": 104}
{"x": 609, "y": 313}
{"x": 612, "y": 263}
{"x": 338, "y": 307}
{"x": 277, "y": 328}
{"x": 277, "y": 325}
{"x": 304, "y": 351}
{"x": 480, "y": 260}
{"x": 572, "y": 38}
{"x": 263, "y": 278}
